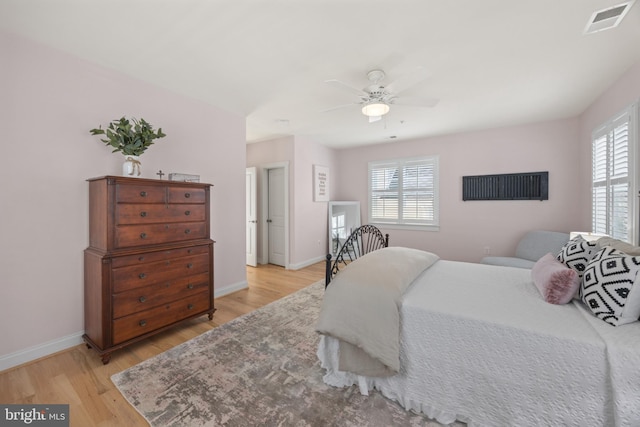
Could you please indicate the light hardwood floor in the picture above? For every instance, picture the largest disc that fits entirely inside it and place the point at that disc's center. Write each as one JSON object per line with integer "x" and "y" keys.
{"x": 77, "y": 376}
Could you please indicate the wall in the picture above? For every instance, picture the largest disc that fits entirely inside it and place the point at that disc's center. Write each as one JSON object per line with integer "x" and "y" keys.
{"x": 467, "y": 228}
{"x": 311, "y": 233}
{"x": 307, "y": 219}
{"x": 263, "y": 155}
{"x": 49, "y": 102}
{"x": 621, "y": 94}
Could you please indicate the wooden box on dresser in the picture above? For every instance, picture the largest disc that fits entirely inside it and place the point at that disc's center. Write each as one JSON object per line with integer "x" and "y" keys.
{"x": 149, "y": 264}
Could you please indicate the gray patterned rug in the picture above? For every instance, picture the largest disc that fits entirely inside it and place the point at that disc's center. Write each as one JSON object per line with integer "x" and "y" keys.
{"x": 258, "y": 369}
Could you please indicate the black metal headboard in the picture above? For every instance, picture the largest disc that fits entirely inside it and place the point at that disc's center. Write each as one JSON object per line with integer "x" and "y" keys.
{"x": 363, "y": 240}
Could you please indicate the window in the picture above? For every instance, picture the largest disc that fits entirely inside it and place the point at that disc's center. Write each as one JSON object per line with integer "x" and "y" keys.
{"x": 614, "y": 209}
{"x": 404, "y": 192}
{"x": 338, "y": 226}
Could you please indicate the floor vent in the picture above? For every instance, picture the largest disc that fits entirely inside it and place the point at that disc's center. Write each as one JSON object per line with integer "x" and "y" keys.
{"x": 512, "y": 186}
{"x": 607, "y": 18}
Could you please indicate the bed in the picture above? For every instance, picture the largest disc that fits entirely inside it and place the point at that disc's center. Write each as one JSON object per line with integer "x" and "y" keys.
{"x": 476, "y": 343}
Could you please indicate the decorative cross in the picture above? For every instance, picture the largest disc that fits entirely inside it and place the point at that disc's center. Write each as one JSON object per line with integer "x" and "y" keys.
{"x": 160, "y": 173}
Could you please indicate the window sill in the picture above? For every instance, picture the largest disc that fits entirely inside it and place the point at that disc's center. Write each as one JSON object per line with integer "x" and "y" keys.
{"x": 417, "y": 227}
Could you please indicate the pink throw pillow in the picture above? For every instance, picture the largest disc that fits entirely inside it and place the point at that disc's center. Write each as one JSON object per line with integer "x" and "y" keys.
{"x": 556, "y": 282}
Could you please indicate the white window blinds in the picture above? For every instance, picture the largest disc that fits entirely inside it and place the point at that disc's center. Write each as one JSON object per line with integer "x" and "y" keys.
{"x": 613, "y": 188}
{"x": 404, "y": 192}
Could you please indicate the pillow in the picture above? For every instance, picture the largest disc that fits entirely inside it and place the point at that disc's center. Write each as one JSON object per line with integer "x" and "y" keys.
{"x": 625, "y": 247}
{"x": 556, "y": 282}
{"x": 611, "y": 286}
{"x": 577, "y": 253}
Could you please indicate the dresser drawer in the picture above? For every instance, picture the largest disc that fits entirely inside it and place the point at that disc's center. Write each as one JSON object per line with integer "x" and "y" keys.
{"x": 186, "y": 195}
{"x": 137, "y": 276}
{"x": 131, "y": 193}
{"x": 140, "y": 235}
{"x": 146, "y": 321}
{"x": 148, "y": 214}
{"x": 129, "y": 302}
{"x": 169, "y": 254}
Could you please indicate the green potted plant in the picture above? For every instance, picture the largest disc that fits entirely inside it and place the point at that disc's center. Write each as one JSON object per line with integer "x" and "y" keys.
{"x": 131, "y": 138}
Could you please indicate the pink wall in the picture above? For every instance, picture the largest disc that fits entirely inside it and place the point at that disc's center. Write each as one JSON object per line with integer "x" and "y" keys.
{"x": 308, "y": 219}
{"x": 467, "y": 228}
{"x": 624, "y": 92}
{"x": 49, "y": 102}
{"x": 310, "y": 236}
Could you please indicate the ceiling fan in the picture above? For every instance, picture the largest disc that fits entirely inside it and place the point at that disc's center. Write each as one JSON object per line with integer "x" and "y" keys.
{"x": 376, "y": 99}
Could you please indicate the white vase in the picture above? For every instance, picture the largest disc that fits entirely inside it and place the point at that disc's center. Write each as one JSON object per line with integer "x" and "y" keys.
{"x": 131, "y": 166}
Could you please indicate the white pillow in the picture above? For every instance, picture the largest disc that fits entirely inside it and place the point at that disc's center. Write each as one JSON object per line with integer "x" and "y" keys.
{"x": 577, "y": 253}
{"x": 610, "y": 286}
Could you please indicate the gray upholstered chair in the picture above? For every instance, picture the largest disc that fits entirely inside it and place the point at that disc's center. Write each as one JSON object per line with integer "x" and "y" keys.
{"x": 533, "y": 246}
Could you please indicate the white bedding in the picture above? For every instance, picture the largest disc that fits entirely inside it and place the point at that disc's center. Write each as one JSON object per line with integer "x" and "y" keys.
{"x": 361, "y": 308}
{"x": 479, "y": 344}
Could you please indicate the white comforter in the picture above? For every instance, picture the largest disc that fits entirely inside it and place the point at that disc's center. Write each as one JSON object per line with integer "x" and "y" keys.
{"x": 480, "y": 345}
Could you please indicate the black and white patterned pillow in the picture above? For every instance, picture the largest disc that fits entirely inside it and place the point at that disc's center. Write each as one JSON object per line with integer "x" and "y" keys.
{"x": 610, "y": 286}
{"x": 577, "y": 253}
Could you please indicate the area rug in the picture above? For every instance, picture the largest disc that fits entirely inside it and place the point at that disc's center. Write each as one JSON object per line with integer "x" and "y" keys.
{"x": 260, "y": 369}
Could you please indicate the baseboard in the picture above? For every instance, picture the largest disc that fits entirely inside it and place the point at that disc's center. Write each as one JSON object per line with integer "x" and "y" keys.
{"x": 306, "y": 263}
{"x": 41, "y": 350}
{"x": 217, "y": 293}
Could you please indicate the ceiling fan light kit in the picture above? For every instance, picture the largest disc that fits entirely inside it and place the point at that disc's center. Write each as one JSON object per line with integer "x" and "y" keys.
{"x": 375, "y": 109}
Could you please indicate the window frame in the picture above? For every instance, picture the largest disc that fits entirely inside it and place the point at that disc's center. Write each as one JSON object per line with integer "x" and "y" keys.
{"x": 431, "y": 161}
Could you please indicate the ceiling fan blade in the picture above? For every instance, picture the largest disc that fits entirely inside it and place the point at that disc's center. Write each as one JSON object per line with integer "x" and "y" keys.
{"x": 422, "y": 103}
{"x": 407, "y": 81}
{"x": 342, "y": 85}
{"x": 340, "y": 106}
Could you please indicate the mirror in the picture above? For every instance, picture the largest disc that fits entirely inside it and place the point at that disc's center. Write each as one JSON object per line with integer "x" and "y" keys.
{"x": 344, "y": 217}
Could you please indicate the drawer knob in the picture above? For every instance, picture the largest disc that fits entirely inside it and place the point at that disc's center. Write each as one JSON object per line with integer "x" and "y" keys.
{"x": 142, "y": 299}
{"x": 143, "y": 235}
{"x": 143, "y": 194}
{"x": 142, "y": 275}
{"x": 140, "y": 258}
{"x": 190, "y": 265}
{"x": 143, "y": 214}
{"x": 190, "y": 286}
{"x": 187, "y": 213}
{"x": 187, "y": 195}
{"x": 190, "y": 306}
{"x": 142, "y": 323}
{"x": 187, "y": 231}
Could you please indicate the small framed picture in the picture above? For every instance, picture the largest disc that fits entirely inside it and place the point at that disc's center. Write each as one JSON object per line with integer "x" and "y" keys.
{"x": 320, "y": 183}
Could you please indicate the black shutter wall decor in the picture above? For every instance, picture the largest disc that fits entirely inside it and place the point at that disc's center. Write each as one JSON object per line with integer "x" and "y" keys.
{"x": 511, "y": 186}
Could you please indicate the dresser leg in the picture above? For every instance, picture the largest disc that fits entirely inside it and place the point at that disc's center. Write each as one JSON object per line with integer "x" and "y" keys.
{"x": 210, "y": 316}
{"x": 106, "y": 358}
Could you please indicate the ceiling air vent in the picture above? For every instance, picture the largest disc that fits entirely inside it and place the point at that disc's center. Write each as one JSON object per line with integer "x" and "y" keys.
{"x": 608, "y": 18}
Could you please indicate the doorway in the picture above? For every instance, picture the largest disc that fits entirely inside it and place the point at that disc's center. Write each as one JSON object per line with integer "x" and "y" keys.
{"x": 275, "y": 209}
{"x": 251, "y": 194}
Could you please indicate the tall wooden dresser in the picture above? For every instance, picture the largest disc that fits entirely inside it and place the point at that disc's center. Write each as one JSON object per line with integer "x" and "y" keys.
{"x": 149, "y": 264}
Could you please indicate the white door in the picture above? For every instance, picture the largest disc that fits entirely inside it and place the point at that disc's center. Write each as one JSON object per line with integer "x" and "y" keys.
{"x": 276, "y": 217}
{"x": 252, "y": 218}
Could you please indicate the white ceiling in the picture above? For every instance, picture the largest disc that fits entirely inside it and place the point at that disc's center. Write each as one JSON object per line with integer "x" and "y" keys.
{"x": 490, "y": 62}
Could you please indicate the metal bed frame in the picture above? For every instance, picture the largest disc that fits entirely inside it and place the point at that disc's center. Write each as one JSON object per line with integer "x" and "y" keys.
{"x": 362, "y": 240}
